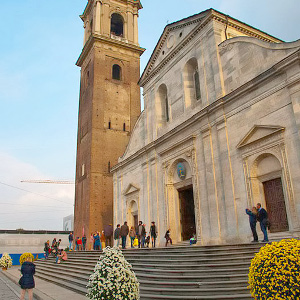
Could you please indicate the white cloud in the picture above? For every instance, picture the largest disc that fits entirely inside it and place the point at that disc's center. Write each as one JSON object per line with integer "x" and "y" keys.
{"x": 21, "y": 209}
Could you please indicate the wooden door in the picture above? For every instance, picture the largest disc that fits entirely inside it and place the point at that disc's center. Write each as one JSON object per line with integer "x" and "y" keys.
{"x": 187, "y": 213}
{"x": 276, "y": 205}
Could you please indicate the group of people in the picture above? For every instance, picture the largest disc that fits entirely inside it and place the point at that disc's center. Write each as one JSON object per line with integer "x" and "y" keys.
{"x": 54, "y": 250}
{"x": 80, "y": 242}
{"x": 99, "y": 240}
{"x": 138, "y": 236}
{"x": 258, "y": 214}
{"x": 51, "y": 248}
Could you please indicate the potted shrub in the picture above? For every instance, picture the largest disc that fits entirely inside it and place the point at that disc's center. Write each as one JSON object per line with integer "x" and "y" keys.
{"x": 113, "y": 278}
{"x": 5, "y": 261}
{"x": 275, "y": 271}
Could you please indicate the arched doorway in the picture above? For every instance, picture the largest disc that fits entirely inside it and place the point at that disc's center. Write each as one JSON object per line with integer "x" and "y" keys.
{"x": 268, "y": 171}
{"x": 133, "y": 214}
{"x": 180, "y": 198}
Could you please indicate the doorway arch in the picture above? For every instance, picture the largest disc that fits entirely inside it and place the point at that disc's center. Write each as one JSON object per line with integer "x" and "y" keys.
{"x": 181, "y": 200}
{"x": 268, "y": 188}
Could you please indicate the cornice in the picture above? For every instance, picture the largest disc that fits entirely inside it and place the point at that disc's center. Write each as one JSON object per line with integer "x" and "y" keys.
{"x": 232, "y": 96}
{"x": 107, "y": 40}
{"x": 149, "y": 73}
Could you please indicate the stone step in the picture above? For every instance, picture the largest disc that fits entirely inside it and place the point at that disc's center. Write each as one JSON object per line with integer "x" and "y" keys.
{"x": 164, "y": 255}
{"x": 59, "y": 281}
{"x": 186, "y": 272}
{"x": 188, "y": 249}
{"x": 193, "y": 292}
{"x": 210, "y": 297}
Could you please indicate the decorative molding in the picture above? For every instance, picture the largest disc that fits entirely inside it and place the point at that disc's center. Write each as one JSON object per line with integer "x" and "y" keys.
{"x": 131, "y": 189}
{"x": 265, "y": 136}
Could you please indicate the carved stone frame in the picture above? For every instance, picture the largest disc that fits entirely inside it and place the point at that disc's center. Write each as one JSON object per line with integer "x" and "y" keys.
{"x": 184, "y": 151}
{"x": 272, "y": 144}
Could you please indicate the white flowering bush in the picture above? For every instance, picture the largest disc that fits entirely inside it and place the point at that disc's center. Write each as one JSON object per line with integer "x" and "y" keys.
{"x": 113, "y": 278}
{"x": 5, "y": 261}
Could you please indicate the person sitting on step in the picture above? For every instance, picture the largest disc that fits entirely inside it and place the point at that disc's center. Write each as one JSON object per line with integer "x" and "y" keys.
{"x": 62, "y": 256}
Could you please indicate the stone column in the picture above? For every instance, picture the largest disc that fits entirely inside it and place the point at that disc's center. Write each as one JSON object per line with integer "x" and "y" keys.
{"x": 98, "y": 17}
{"x": 130, "y": 26}
{"x": 135, "y": 22}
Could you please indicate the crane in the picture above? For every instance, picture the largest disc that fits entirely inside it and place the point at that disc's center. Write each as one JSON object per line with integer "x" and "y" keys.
{"x": 49, "y": 181}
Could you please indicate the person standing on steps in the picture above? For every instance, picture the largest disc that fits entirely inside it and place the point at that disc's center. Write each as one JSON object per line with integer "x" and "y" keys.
{"x": 117, "y": 235}
{"x": 92, "y": 242}
{"x": 108, "y": 232}
{"x": 84, "y": 243}
{"x": 253, "y": 219}
{"x": 168, "y": 237}
{"x": 132, "y": 236}
{"x": 46, "y": 249}
{"x": 124, "y": 232}
{"x": 71, "y": 238}
{"x": 97, "y": 241}
{"x": 141, "y": 233}
{"x": 262, "y": 217}
{"x": 27, "y": 281}
{"x": 153, "y": 233}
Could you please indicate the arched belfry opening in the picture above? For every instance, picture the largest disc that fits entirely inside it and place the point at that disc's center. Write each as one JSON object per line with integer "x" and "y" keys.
{"x": 117, "y": 25}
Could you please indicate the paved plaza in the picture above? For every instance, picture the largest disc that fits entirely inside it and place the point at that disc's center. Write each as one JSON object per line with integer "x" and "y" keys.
{"x": 8, "y": 289}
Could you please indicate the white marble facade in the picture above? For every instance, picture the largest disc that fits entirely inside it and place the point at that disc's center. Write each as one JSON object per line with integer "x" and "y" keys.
{"x": 223, "y": 99}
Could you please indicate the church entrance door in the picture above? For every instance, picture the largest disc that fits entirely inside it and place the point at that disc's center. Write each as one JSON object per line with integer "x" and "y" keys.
{"x": 187, "y": 212}
{"x": 275, "y": 205}
{"x": 136, "y": 222}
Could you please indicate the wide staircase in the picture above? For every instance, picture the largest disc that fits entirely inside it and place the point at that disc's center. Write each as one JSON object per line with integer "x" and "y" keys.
{"x": 186, "y": 272}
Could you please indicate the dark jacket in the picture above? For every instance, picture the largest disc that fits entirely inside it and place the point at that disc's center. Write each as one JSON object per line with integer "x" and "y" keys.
{"x": 124, "y": 230}
{"x": 262, "y": 215}
{"x": 27, "y": 280}
{"x": 108, "y": 231}
{"x": 143, "y": 231}
{"x": 71, "y": 237}
{"x": 252, "y": 216}
{"x": 153, "y": 231}
{"x": 117, "y": 233}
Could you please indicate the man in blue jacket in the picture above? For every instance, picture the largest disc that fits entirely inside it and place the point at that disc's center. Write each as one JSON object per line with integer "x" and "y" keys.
{"x": 262, "y": 217}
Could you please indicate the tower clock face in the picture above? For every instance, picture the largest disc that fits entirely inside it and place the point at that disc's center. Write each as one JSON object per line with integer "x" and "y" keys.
{"x": 181, "y": 171}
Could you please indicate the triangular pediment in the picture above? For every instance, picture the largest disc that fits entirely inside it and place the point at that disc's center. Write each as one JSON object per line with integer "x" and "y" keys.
{"x": 173, "y": 35}
{"x": 259, "y": 132}
{"x": 131, "y": 189}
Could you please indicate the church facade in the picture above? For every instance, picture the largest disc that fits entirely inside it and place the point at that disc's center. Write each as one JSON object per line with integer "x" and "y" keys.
{"x": 220, "y": 132}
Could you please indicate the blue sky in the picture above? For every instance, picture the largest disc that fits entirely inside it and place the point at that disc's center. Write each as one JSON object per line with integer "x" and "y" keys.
{"x": 39, "y": 87}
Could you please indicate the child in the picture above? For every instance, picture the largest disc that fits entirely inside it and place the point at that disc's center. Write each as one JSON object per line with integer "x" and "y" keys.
{"x": 168, "y": 238}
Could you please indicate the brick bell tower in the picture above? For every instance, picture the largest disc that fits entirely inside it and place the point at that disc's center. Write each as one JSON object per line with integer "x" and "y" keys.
{"x": 109, "y": 105}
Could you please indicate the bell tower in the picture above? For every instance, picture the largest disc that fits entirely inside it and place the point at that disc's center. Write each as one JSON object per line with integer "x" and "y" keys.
{"x": 109, "y": 105}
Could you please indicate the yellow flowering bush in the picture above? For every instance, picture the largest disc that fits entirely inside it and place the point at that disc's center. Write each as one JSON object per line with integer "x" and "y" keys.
{"x": 24, "y": 257}
{"x": 5, "y": 261}
{"x": 275, "y": 271}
